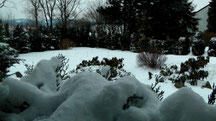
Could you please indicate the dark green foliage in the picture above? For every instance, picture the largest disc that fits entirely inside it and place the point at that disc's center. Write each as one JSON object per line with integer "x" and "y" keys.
{"x": 132, "y": 100}
{"x": 212, "y": 17}
{"x": 157, "y": 89}
{"x": 198, "y": 47}
{"x": 113, "y": 63}
{"x": 62, "y": 70}
{"x": 1, "y": 32}
{"x": 7, "y": 32}
{"x": 180, "y": 46}
{"x": 173, "y": 19}
{"x": 212, "y": 96}
{"x": 113, "y": 12}
{"x": 111, "y": 69}
{"x": 8, "y": 57}
{"x": 42, "y": 39}
{"x": 167, "y": 72}
{"x": 123, "y": 15}
{"x": 20, "y": 40}
{"x": 191, "y": 71}
{"x": 29, "y": 69}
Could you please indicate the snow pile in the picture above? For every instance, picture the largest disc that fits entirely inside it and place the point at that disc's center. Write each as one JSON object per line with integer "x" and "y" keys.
{"x": 185, "y": 105}
{"x": 44, "y": 75}
{"x": 90, "y": 97}
{"x": 213, "y": 39}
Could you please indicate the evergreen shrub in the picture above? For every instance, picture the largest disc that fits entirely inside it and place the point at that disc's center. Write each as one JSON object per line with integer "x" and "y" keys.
{"x": 198, "y": 47}
{"x": 190, "y": 71}
{"x": 8, "y": 57}
{"x": 111, "y": 69}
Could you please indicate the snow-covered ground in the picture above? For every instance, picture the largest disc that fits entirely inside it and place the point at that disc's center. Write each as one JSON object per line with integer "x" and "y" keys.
{"x": 76, "y": 55}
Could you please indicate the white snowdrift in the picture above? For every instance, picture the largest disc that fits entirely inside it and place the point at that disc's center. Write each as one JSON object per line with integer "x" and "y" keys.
{"x": 186, "y": 105}
{"x": 44, "y": 75}
{"x": 90, "y": 97}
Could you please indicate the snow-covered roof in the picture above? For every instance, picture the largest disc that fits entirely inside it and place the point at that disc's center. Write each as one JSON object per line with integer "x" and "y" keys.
{"x": 200, "y": 4}
{"x": 202, "y": 8}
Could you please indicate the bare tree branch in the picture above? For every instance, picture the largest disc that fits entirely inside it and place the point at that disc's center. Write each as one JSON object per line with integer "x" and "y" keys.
{"x": 33, "y": 10}
{"x": 2, "y": 3}
{"x": 92, "y": 15}
{"x": 48, "y": 7}
{"x": 68, "y": 10}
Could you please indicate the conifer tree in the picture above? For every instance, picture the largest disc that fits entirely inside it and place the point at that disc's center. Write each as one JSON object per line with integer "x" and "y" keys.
{"x": 20, "y": 40}
{"x": 127, "y": 14}
{"x": 7, "y": 32}
{"x": 212, "y": 17}
{"x": 8, "y": 57}
{"x": 174, "y": 19}
{"x": 1, "y": 31}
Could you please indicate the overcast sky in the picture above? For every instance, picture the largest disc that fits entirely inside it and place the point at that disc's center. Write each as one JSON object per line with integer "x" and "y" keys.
{"x": 17, "y": 8}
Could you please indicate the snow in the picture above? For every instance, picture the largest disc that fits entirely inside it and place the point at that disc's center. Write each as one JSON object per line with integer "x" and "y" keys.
{"x": 213, "y": 39}
{"x": 90, "y": 97}
{"x": 44, "y": 75}
{"x": 3, "y": 44}
{"x": 200, "y": 3}
{"x": 76, "y": 55}
{"x": 185, "y": 105}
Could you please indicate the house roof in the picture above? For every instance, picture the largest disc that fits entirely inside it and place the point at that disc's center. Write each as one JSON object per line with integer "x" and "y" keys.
{"x": 202, "y": 8}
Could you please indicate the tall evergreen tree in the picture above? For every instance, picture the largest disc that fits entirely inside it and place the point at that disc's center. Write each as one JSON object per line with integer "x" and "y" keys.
{"x": 1, "y": 31}
{"x": 127, "y": 15}
{"x": 20, "y": 40}
{"x": 212, "y": 17}
{"x": 7, "y": 32}
{"x": 173, "y": 19}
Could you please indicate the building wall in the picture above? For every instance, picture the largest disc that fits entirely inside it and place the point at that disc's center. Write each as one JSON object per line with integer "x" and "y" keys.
{"x": 203, "y": 16}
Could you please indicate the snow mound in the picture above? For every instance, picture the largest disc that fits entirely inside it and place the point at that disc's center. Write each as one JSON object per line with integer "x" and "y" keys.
{"x": 186, "y": 105}
{"x": 44, "y": 75}
{"x": 90, "y": 97}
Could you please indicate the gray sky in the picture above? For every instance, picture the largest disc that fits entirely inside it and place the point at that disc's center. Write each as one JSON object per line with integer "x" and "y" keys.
{"x": 16, "y": 9}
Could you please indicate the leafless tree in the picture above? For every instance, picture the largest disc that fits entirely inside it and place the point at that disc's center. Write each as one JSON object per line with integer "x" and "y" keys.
{"x": 33, "y": 10}
{"x": 68, "y": 9}
{"x": 92, "y": 15}
{"x": 91, "y": 11}
{"x": 2, "y": 3}
{"x": 48, "y": 7}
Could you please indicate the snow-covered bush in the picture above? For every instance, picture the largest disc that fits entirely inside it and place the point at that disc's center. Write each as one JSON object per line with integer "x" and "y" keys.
{"x": 181, "y": 46}
{"x": 62, "y": 70}
{"x": 8, "y": 57}
{"x": 151, "y": 59}
{"x": 212, "y": 47}
{"x": 190, "y": 71}
{"x": 90, "y": 97}
{"x": 29, "y": 69}
{"x": 111, "y": 69}
{"x": 157, "y": 89}
{"x": 42, "y": 39}
{"x": 198, "y": 47}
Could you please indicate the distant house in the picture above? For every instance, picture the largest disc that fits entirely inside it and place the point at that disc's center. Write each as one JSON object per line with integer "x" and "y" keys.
{"x": 202, "y": 15}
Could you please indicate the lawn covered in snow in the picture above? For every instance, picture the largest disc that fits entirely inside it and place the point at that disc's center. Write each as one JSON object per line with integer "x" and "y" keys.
{"x": 88, "y": 96}
{"x": 76, "y": 55}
